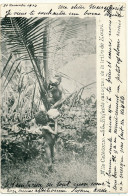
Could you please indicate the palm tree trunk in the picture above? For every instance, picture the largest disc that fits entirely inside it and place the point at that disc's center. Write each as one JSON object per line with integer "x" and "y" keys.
{"x": 45, "y": 54}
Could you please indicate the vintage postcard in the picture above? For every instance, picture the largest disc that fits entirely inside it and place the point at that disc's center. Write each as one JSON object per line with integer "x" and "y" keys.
{"x": 63, "y": 98}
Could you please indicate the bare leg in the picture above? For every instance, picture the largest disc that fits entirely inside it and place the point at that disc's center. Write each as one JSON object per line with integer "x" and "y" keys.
{"x": 49, "y": 157}
{"x": 52, "y": 153}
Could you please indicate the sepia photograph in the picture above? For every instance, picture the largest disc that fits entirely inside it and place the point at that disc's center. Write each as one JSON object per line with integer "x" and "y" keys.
{"x": 48, "y": 102}
{"x": 63, "y": 97}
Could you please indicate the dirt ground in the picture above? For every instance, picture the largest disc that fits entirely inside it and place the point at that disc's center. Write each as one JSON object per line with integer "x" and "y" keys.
{"x": 67, "y": 167}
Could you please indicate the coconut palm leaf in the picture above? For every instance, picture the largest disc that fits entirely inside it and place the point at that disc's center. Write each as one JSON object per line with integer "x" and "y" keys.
{"x": 9, "y": 72}
{"x": 66, "y": 29}
{"x": 12, "y": 75}
{"x": 10, "y": 57}
{"x": 25, "y": 38}
{"x": 32, "y": 103}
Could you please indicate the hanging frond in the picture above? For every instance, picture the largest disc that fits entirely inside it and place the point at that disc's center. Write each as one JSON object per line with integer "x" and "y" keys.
{"x": 12, "y": 75}
{"x": 10, "y": 57}
{"x": 25, "y": 38}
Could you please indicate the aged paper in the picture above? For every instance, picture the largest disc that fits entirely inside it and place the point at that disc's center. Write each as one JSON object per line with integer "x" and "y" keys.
{"x": 66, "y": 62}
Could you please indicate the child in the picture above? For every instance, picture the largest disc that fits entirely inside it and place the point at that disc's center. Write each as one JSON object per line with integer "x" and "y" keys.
{"x": 48, "y": 127}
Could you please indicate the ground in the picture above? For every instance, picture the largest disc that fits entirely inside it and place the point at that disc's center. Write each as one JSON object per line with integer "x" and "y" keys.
{"x": 67, "y": 167}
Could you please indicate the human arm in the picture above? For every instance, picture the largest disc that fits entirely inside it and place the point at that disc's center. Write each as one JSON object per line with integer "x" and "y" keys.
{"x": 56, "y": 130}
{"x": 50, "y": 129}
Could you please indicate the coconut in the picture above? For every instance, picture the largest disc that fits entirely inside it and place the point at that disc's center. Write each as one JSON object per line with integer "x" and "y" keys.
{"x": 53, "y": 113}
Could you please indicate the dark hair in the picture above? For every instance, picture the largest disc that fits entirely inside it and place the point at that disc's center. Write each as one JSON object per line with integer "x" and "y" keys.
{"x": 41, "y": 118}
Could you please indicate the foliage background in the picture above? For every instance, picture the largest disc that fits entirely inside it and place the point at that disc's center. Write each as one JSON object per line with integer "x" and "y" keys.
{"x": 33, "y": 51}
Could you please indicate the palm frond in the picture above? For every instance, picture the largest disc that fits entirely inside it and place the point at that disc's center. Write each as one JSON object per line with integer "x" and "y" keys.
{"x": 9, "y": 72}
{"x": 10, "y": 57}
{"x": 12, "y": 75}
{"x": 32, "y": 103}
{"x": 22, "y": 34}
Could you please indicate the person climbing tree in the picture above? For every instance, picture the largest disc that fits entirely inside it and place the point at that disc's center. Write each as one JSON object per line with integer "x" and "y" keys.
{"x": 55, "y": 92}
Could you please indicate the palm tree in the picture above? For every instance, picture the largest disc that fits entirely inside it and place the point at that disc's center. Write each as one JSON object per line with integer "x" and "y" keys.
{"x": 26, "y": 39}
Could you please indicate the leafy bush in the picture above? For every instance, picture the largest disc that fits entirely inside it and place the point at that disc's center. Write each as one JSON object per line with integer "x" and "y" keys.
{"x": 20, "y": 144}
{"x": 79, "y": 125}
{"x": 76, "y": 126}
